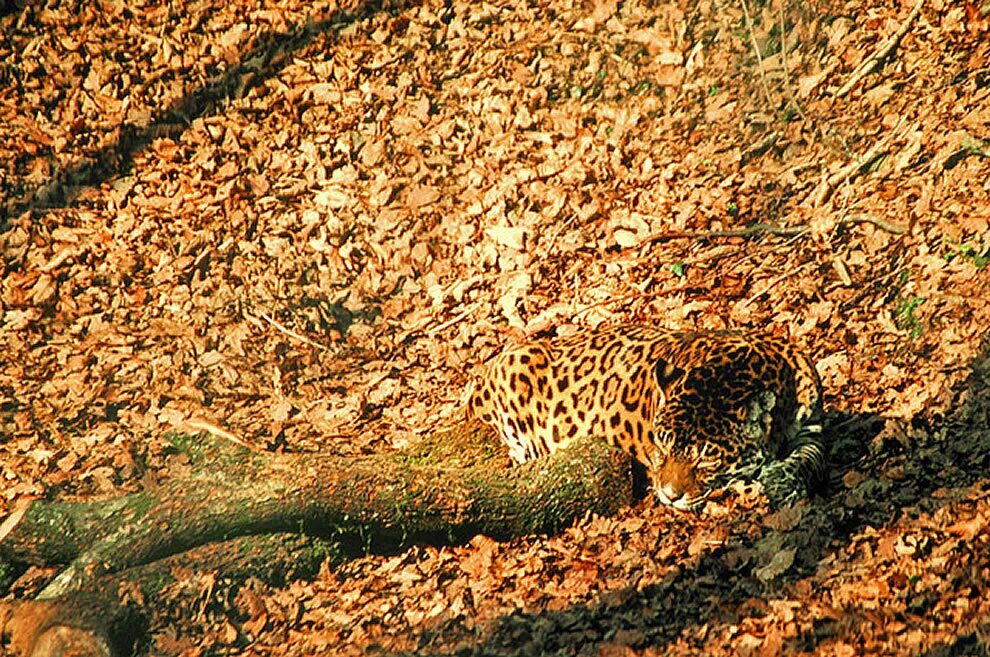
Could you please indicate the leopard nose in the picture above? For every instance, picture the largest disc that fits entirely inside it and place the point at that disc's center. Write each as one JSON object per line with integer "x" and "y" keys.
{"x": 674, "y": 483}
{"x": 671, "y": 496}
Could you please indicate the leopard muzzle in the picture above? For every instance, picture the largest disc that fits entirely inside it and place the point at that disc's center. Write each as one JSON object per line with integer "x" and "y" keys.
{"x": 675, "y": 484}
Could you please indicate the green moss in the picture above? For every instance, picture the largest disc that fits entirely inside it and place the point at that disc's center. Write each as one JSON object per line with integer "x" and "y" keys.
{"x": 204, "y": 448}
{"x": 8, "y": 573}
{"x": 466, "y": 445}
{"x": 905, "y": 318}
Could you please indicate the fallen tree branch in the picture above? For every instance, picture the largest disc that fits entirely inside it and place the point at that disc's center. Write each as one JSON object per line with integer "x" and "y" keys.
{"x": 381, "y": 502}
{"x": 871, "y": 63}
{"x": 109, "y": 615}
{"x": 445, "y": 490}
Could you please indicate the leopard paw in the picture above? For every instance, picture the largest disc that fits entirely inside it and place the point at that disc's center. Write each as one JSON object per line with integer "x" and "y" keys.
{"x": 782, "y": 484}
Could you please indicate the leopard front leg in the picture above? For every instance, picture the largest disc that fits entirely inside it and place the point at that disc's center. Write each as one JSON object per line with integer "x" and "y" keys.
{"x": 785, "y": 481}
{"x": 790, "y": 480}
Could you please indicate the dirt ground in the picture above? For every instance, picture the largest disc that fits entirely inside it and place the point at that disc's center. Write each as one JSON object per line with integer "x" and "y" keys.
{"x": 308, "y": 222}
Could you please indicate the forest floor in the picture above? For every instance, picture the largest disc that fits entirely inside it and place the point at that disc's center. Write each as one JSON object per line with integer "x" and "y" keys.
{"x": 307, "y": 223}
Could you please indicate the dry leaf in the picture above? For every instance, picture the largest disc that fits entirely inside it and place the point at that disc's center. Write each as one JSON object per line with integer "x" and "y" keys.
{"x": 512, "y": 237}
{"x": 807, "y": 84}
{"x": 785, "y": 519}
{"x": 447, "y": 157}
{"x": 852, "y": 479}
{"x": 778, "y": 565}
{"x": 422, "y": 195}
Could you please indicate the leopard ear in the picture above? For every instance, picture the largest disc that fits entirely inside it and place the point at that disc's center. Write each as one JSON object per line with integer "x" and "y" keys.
{"x": 667, "y": 374}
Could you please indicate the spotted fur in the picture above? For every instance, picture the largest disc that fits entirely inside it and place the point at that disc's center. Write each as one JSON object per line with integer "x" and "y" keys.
{"x": 697, "y": 409}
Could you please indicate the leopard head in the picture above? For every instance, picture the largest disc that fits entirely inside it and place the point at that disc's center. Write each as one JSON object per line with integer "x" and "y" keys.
{"x": 683, "y": 464}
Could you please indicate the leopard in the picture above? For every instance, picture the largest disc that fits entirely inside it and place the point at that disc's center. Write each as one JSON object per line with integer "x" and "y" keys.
{"x": 697, "y": 410}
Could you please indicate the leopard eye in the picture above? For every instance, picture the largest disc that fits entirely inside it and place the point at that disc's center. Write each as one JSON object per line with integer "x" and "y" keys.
{"x": 659, "y": 450}
{"x": 687, "y": 451}
{"x": 705, "y": 471}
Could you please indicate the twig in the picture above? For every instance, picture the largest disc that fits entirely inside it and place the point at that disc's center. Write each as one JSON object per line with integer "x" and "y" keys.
{"x": 280, "y": 327}
{"x": 878, "y": 150}
{"x": 861, "y": 162}
{"x": 432, "y": 333}
{"x": 195, "y": 425}
{"x": 560, "y": 229}
{"x": 882, "y": 224}
{"x": 760, "y": 147}
{"x": 871, "y": 63}
{"x": 839, "y": 265}
{"x": 767, "y": 229}
{"x": 10, "y": 523}
{"x": 759, "y": 57}
{"x": 774, "y": 282}
{"x": 787, "y": 73}
{"x": 630, "y": 297}
{"x": 713, "y": 255}
{"x": 749, "y": 231}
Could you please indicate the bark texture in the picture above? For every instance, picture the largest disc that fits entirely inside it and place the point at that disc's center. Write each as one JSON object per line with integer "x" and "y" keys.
{"x": 446, "y": 490}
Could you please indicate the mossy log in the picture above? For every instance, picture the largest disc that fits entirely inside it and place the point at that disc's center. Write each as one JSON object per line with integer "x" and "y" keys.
{"x": 109, "y": 615}
{"x": 446, "y": 490}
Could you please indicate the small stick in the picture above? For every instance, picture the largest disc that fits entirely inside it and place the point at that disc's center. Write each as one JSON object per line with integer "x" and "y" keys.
{"x": 870, "y": 64}
{"x": 289, "y": 332}
{"x": 749, "y": 231}
{"x": 767, "y": 229}
{"x": 878, "y": 150}
{"x": 783, "y": 59}
{"x": 882, "y": 224}
{"x": 774, "y": 282}
{"x": 759, "y": 57}
{"x": 196, "y": 425}
{"x": 760, "y": 147}
{"x": 866, "y": 159}
{"x": 20, "y": 508}
{"x": 629, "y": 297}
{"x": 432, "y": 333}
